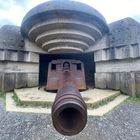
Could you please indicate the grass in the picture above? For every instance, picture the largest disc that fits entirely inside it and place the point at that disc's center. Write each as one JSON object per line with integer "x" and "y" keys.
{"x": 30, "y": 103}
{"x": 133, "y": 99}
{"x": 2, "y": 95}
{"x": 17, "y": 101}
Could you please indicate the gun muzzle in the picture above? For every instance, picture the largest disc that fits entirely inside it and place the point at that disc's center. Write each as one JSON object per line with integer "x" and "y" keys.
{"x": 69, "y": 111}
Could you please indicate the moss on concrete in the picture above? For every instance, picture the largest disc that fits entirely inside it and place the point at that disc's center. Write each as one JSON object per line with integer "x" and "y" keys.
{"x": 30, "y": 103}
{"x": 49, "y": 104}
{"x": 133, "y": 99}
{"x": 2, "y": 95}
{"x": 102, "y": 103}
{"x": 17, "y": 101}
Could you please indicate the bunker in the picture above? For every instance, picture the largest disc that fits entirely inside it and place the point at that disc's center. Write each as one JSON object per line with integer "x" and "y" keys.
{"x": 72, "y": 33}
{"x": 70, "y": 30}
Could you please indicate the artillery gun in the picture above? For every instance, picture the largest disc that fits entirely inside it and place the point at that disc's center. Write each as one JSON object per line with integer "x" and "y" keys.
{"x": 69, "y": 112}
{"x": 65, "y": 27}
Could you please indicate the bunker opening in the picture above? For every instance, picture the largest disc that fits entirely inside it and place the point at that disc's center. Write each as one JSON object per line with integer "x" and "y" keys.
{"x": 86, "y": 58}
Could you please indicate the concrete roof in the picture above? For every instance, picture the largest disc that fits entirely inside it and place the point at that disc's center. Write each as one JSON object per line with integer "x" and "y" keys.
{"x": 64, "y": 26}
{"x": 58, "y": 7}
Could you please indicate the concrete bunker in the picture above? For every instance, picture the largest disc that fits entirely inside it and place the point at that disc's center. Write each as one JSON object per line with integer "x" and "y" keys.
{"x": 67, "y": 31}
{"x": 63, "y": 36}
{"x": 70, "y": 29}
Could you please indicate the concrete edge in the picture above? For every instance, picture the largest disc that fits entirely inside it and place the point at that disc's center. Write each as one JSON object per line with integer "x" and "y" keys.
{"x": 11, "y": 106}
{"x": 49, "y": 103}
{"x": 104, "y": 99}
{"x": 108, "y": 107}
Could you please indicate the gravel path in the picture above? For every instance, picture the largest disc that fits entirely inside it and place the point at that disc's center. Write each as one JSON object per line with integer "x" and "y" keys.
{"x": 123, "y": 123}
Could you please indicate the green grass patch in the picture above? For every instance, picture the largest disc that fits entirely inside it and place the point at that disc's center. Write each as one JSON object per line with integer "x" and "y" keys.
{"x": 133, "y": 99}
{"x": 17, "y": 101}
{"x": 30, "y": 103}
{"x": 2, "y": 95}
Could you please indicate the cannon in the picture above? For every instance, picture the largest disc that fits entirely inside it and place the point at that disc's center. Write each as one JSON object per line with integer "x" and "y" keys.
{"x": 69, "y": 111}
{"x": 64, "y": 27}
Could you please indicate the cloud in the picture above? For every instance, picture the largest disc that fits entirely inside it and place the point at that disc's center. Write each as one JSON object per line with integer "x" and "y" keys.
{"x": 13, "y": 11}
{"x": 114, "y": 10}
{"x": 10, "y": 11}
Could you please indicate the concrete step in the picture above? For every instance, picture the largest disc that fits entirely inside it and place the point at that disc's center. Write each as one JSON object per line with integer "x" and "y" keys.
{"x": 100, "y": 111}
{"x": 107, "y": 107}
{"x": 35, "y": 97}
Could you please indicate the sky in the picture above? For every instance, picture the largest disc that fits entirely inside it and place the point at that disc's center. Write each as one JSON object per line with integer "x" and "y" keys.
{"x": 13, "y": 11}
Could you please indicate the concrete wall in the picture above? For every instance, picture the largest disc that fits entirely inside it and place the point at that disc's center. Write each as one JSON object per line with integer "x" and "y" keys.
{"x": 118, "y": 58}
{"x": 19, "y": 60}
{"x": 18, "y": 69}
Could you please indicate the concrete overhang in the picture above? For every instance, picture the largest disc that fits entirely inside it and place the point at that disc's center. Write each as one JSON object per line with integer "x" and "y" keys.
{"x": 69, "y": 23}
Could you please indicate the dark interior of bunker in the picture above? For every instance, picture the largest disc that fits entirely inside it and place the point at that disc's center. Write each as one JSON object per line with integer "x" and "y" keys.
{"x": 86, "y": 58}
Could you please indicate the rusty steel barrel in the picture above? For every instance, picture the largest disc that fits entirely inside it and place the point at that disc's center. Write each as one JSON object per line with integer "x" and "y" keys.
{"x": 69, "y": 112}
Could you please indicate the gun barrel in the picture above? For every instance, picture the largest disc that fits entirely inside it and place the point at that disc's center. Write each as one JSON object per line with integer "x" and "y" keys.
{"x": 69, "y": 112}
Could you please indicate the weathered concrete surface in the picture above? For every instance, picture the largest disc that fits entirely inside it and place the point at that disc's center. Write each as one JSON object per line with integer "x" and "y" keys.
{"x": 108, "y": 107}
{"x": 112, "y": 81}
{"x": 127, "y": 65}
{"x": 123, "y": 53}
{"x": 107, "y": 80}
{"x": 123, "y": 32}
{"x": 10, "y": 38}
{"x": 33, "y": 79}
{"x": 32, "y": 47}
{"x": 100, "y": 80}
{"x": 100, "y": 55}
{"x": 101, "y": 44}
{"x": 11, "y": 80}
{"x": 15, "y": 66}
{"x": 21, "y": 80}
{"x": 118, "y": 65}
{"x": 11, "y": 106}
{"x": 127, "y": 83}
{"x": 2, "y": 55}
{"x": 1, "y": 81}
{"x": 137, "y": 84}
{"x": 92, "y": 96}
{"x": 61, "y": 32}
{"x": 8, "y": 82}
{"x": 18, "y": 58}
{"x": 11, "y": 55}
